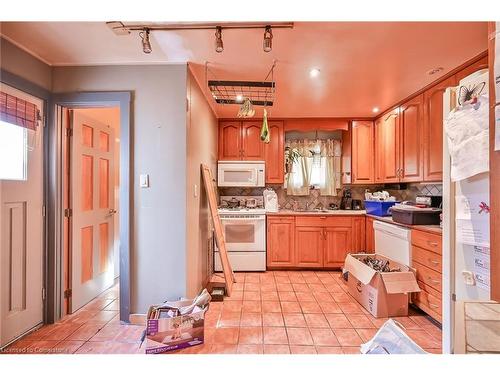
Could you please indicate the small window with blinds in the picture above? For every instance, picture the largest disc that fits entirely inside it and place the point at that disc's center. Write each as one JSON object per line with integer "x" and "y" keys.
{"x": 17, "y": 117}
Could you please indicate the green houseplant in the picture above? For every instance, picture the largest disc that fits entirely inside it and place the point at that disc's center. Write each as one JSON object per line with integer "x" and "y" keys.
{"x": 291, "y": 156}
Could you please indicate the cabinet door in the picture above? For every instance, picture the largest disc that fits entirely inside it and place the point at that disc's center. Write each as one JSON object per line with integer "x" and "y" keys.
{"x": 369, "y": 235}
{"x": 338, "y": 244}
{"x": 252, "y": 146}
{"x": 433, "y": 130}
{"x": 309, "y": 246}
{"x": 362, "y": 152}
{"x": 230, "y": 140}
{"x": 275, "y": 154}
{"x": 379, "y": 150}
{"x": 280, "y": 242}
{"x": 410, "y": 125}
{"x": 391, "y": 146}
{"x": 358, "y": 234}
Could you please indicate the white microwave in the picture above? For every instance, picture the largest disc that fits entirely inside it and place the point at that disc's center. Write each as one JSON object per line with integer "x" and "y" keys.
{"x": 241, "y": 173}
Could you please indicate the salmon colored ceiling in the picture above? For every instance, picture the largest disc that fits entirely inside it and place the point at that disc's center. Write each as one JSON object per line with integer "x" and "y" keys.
{"x": 362, "y": 64}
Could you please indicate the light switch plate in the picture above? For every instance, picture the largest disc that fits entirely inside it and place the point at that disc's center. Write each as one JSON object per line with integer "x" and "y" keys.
{"x": 144, "y": 180}
{"x": 468, "y": 277}
{"x": 195, "y": 190}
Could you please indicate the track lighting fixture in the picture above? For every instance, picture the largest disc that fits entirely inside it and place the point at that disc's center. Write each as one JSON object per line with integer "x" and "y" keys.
{"x": 146, "y": 44}
{"x": 268, "y": 39}
{"x": 219, "y": 45}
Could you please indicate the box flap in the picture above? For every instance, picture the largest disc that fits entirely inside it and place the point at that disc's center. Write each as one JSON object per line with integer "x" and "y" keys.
{"x": 358, "y": 269}
{"x": 399, "y": 282}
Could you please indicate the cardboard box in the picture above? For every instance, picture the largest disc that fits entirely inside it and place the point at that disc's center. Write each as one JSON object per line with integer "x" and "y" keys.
{"x": 184, "y": 331}
{"x": 383, "y": 294}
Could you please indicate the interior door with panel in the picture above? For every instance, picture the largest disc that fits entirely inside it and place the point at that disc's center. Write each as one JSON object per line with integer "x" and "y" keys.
{"x": 433, "y": 130}
{"x": 275, "y": 154}
{"x": 92, "y": 204}
{"x": 252, "y": 146}
{"x": 230, "y": 140}
{"x": 338, "y": 242}
{"x": 362, "y": 152}
{"x": 21, "y": 222}
{"x": 309, "y": 246}
{"x": 411, "y": 118}
{"x": 391, "y": 146}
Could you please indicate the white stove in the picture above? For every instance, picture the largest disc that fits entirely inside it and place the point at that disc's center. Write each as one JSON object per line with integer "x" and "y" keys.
{"x": 245, "y": 236}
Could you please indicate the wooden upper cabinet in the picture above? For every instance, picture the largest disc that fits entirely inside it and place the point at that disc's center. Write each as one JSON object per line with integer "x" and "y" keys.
{"x": 379, "y": 160}
{"x": 230, "y": 140}
{"x": 410, "y": 126}
{"x": 309, "y": 246}
{"x": 275, "y": 154}
{"x": 390, "y": 130}
{"x": 433, "y": 130}
{"x": 362, "y": 152}
{"x": 338, "y": 243}
{"x": 478, "y": 65}
{"x": 251, "y": 145}
{"x": 280, "y": 242}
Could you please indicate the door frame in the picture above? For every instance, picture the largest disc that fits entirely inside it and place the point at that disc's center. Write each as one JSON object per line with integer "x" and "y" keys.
{"x": 39, "y": 92}
{"x": 121, "y": 99}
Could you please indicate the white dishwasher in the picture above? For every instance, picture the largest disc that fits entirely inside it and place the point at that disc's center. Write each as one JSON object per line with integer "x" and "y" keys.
{"x": 393, "y": 242}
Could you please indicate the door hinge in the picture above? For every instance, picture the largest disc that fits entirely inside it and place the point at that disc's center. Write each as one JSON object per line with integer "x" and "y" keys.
{"x": 68, "y": 293}
{"x": 44, "y": 211}
{"x": 68, "y": 212}
{"x": 44, "y": 294}
{"x": 453, "y": 297}
{"x": 69, "y": 132}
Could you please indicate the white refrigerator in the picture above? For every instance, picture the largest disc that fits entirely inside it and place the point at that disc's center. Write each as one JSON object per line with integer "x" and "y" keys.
{"x": 465, "y": 202}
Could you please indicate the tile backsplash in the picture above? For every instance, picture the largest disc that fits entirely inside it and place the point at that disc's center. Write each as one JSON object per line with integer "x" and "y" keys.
{"x": 315, "y": 200}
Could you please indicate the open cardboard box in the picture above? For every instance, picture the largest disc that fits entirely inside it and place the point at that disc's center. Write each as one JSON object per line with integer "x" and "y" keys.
{"x": 383, "y": 294}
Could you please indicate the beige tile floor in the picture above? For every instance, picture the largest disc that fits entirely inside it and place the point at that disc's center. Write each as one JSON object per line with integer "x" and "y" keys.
{"x": 280, "y": 312}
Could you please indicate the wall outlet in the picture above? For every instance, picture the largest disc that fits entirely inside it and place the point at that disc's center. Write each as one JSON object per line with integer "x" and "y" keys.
{"x": 195, "y": 190}
{"x": 144, "y": 180}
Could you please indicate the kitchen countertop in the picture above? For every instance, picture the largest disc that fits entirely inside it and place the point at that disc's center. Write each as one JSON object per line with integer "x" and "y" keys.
{"x": 318, "y": 213}
{"x": 435, "y": 229}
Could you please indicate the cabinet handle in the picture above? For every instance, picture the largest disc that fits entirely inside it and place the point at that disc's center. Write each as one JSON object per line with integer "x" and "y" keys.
{"x": 434, "y": 306}
{"x": 434, "y": 262}
{"x": 434, "y": 281}
{"x": 432, "y": 243}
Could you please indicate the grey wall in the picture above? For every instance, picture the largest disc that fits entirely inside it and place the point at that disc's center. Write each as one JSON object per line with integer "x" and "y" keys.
{"x": 22, "y": 64}
{"x": 158, "y": 251}
{"x": 202, "y": 128}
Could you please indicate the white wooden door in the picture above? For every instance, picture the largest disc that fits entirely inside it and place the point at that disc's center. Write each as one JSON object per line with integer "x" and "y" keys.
{"x": 92, "y": 204}
{"x": 21, "y": 236}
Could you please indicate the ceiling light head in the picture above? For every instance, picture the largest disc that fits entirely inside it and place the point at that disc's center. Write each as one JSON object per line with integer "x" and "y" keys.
{"x": 268, "y": 39}
{"x": 146, "y": 44}
{"x": 239, "y": 98}
{"x": 375, "y": 109}
{"x": 219, "y": 45}
{"x": 314, "y": 72}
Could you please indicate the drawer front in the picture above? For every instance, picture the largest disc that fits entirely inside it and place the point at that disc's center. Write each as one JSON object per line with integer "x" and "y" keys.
{"x": 427, "y": 241}
{"x": 280, "y": 219}
{"x": 428, "y": 299}
{"x": 323, "y": 221}
{"x": 428, "y": 276}
{"x": 427, "y": 258}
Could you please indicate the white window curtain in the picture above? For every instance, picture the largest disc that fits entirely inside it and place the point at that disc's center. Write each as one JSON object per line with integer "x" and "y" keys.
{"x": 318, "y": 165}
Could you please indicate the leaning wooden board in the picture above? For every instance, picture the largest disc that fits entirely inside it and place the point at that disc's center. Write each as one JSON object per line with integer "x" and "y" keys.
{"x": 219, "y": 234}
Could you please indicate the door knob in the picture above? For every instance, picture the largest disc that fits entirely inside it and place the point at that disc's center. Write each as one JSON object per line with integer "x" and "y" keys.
{"x": 112, "y": 211}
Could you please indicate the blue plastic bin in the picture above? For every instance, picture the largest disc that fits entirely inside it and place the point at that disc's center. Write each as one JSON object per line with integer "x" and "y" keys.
{"x": 378, "y": 208}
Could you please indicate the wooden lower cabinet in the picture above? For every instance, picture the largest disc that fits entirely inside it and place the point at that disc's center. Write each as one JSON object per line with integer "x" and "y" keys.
{"x": 369, "y": 235}
{"x": 280, "y": 241}
{"x": 309, "y": 244}
{"x": 427, "y": 262}
{"x": 338, "y": 242}
{"x": 313, "y": 241}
